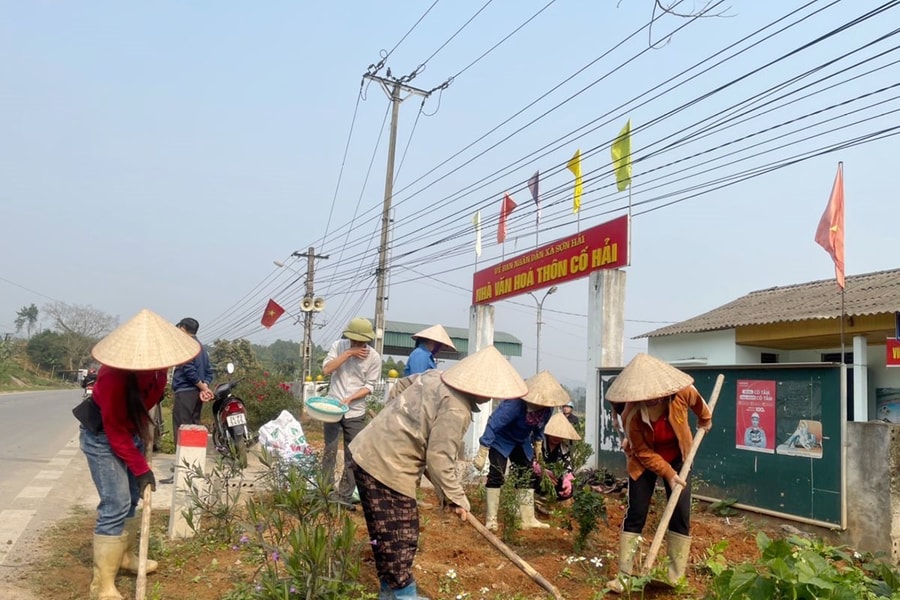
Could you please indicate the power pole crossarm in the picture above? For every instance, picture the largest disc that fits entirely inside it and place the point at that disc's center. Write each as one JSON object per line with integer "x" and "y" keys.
{"x": 394, "y": 88}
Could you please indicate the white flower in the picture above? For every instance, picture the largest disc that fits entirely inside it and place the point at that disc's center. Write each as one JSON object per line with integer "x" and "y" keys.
{"x": 597, "y": 562}
{"x": 451, "y": 574}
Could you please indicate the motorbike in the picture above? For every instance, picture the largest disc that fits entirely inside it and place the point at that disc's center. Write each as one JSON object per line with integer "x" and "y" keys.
{"x": 231, "y": 434}
{"x": 87, "y": 385}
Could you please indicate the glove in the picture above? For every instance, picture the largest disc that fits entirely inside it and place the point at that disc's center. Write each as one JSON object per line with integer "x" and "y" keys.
{"x": 539, "y": 451}
{"x": 480, "y": 458}
{"x": 144, "y": 480}
{"x": 566, "y": 489}
{"x": 536, "y": 467}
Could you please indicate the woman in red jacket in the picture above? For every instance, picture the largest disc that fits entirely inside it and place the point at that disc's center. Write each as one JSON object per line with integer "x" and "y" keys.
{"x": 131, "y": 381}
{"x": 657, "y": 399}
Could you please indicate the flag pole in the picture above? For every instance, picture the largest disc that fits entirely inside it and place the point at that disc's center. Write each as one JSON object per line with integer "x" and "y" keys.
{"x": 630, "y": 185}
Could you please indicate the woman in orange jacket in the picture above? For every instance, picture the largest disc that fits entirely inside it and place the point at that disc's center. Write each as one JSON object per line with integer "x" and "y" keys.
{"x": 658, "y": 397}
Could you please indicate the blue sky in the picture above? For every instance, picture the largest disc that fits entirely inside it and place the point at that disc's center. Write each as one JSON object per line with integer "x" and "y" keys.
{"x": 163, "y": 155}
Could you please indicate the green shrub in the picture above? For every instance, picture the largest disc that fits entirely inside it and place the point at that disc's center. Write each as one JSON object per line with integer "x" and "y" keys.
{"x": 264, "y": 397}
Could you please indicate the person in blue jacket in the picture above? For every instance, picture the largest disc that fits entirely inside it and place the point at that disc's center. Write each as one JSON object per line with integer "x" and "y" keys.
{"x": 514, "y": 432}
{"x": 429, "y": 342}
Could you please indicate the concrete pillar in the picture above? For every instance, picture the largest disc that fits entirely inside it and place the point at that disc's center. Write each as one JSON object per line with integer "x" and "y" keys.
{"x": 605, "y": 348}
{"x": 860, "y": 378}
{"x": 481, "y": 335}
{"x": 191, "y": 449}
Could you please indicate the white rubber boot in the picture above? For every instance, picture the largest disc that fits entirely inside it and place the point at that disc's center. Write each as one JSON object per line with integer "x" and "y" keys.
{"x": 108, "y": 551}
{"x": 628, "y": 545}
{"x": 130, "y": 559}
{"x": 678, "y": 547}
{"x": 526, "y": 511}
{"x": 493, "y": 504}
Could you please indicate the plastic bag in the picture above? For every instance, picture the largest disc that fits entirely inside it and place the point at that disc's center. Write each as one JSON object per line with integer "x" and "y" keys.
{"x": 284, "y": 439}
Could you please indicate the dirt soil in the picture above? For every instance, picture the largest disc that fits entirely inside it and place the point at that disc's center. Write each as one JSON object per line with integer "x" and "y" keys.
{"x": 454, "y": 560}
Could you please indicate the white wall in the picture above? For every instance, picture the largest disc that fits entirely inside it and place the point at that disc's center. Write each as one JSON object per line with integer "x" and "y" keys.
{"x": 706, "y": 348}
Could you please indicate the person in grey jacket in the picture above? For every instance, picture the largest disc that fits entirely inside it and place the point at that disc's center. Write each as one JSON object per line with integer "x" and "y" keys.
{"x": 423, "y": 427}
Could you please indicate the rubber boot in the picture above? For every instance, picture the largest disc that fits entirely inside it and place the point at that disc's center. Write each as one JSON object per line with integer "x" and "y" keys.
{"x": 408, "y": 593}
{"x": 493, "y": 504}
{"x": 108, "y": 551}
{"x": 526, "y": 511}
{"x": 628, "y": 545}
{"x": 678, "y": 547}
{"x": 130, "y": 559}
{"x": 385, "y": 592}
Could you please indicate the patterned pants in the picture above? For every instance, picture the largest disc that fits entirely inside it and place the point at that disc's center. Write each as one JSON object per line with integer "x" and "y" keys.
{"x": 393, "y": 523}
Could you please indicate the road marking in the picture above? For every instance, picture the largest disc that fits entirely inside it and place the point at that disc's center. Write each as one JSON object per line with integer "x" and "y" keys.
{"x": 59, "y": 463}
{"x": 68, "y": 452}
{"x": 12, "y": 524}
{"x": 48, "y": 475}
{"x": 30, "y": 491}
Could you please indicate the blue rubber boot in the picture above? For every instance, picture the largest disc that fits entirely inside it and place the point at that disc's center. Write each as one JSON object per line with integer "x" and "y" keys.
{"x": 408, "y": 593}
{"x": 385, "y": 593}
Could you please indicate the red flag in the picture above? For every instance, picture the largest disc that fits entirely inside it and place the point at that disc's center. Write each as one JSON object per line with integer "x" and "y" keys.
{"x": 271, "y": 314}
{"x": 830, "y": 233}
{"x": 506, "y": 207}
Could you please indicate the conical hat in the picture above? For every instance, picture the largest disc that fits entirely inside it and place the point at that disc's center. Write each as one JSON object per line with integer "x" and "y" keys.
{"x": 545, "y": 390}
{"x": 559, "y": 426}
{"x": 487, "y": 374}
{"x": 144, "y": 343}
{"x": 646, "y": 378}
{"x": 435, "y": 333}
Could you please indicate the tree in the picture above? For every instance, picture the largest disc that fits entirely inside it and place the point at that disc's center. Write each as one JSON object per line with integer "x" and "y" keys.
{"x": 80, "y": 327}
{"x": 240, "y": 352}
{"x": 389, "y": 364}
{"x": 26, "y": 317}
{"x": 47, "y": 350}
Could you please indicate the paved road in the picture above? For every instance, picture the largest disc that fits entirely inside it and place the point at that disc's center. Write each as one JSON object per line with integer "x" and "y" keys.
{"x": 44, "y": 476}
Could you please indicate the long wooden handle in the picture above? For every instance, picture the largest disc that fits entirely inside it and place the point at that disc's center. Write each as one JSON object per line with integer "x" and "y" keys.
{"x": 676, "y": 489}
{"x": 140, "y": 585}
{"x": 512, "y": 556}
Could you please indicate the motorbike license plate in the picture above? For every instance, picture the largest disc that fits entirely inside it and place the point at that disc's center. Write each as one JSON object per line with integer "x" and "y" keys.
{"x": 236, "y": 419}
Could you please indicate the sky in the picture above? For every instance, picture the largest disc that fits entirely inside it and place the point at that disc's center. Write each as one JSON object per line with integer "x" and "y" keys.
{"x": 164, "y": 155}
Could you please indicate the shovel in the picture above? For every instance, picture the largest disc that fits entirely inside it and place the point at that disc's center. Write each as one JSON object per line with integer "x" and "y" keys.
{"x": 676, "y": 489}
{"x": 512, "y": 556}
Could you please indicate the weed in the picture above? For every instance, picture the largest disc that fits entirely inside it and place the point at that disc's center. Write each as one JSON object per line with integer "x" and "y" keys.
{"x": 588, "y": 507}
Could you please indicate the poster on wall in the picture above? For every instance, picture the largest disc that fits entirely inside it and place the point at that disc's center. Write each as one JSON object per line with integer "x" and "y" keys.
{"x": 887, "y": 404}
{"x": 799, "y": 425}
{"x": 755, "y": 415}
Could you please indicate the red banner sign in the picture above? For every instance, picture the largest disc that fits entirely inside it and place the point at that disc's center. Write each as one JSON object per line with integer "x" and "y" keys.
{"x": 893, "y": 353}
{"x": 602, "y": 247}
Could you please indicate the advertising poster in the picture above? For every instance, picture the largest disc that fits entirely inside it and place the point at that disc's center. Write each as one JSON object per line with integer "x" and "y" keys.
{"x": 755, "y": 415}
{"x": 887, "y": 404}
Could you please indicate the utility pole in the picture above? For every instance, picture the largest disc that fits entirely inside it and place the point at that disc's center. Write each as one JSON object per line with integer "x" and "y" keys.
{"x": 393, "y": 87}
{"x": 308, "y": 306}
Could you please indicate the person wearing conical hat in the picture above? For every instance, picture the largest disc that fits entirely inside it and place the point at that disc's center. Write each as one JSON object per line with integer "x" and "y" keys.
{"x": 429, "y": 342}
{"x": 556, "y": 463}
{"x": 514, "y": 433}
{"x": 657, "y": 399}
{"x": 422, "y": 428}
{"x": 131, "y": 380}
{"x": 354, "y": 368}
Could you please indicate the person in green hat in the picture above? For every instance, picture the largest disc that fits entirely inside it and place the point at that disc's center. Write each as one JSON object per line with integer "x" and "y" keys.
{"x": 354, "y": 368}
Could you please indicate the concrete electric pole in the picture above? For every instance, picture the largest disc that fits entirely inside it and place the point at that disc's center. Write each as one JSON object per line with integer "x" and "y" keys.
{"x": 394, "y": 88}
{"x": 309, "y": 305}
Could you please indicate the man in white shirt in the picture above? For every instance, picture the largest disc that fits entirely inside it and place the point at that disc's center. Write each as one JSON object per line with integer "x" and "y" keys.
{"x": 354, "y": 368}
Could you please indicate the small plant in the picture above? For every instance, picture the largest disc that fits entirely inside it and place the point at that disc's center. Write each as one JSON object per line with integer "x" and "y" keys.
{"x": 798, "y": 568}
{"x": 265, "y": 396}
{"x": 214, "y": 496}
{"x": 723, "y": 508}
{"x": 508, "y": 513}
{"x": 588, "y": 507}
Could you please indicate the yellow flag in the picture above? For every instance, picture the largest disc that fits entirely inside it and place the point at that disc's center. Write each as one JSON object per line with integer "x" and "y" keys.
{"x": 575, "y": 166}
{"x": 621, "y": 157}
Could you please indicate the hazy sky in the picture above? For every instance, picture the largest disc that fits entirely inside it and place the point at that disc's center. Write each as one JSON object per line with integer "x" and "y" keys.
{"x": 163, "y": 154}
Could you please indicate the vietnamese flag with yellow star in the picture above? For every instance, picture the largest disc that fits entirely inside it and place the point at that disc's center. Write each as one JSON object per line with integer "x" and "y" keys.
{"x": 273, "y": 311}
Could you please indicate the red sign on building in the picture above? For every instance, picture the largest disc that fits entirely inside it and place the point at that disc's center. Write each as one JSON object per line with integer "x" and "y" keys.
{"x": 893, "y": 352}
{"x": 602, "y": 247}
